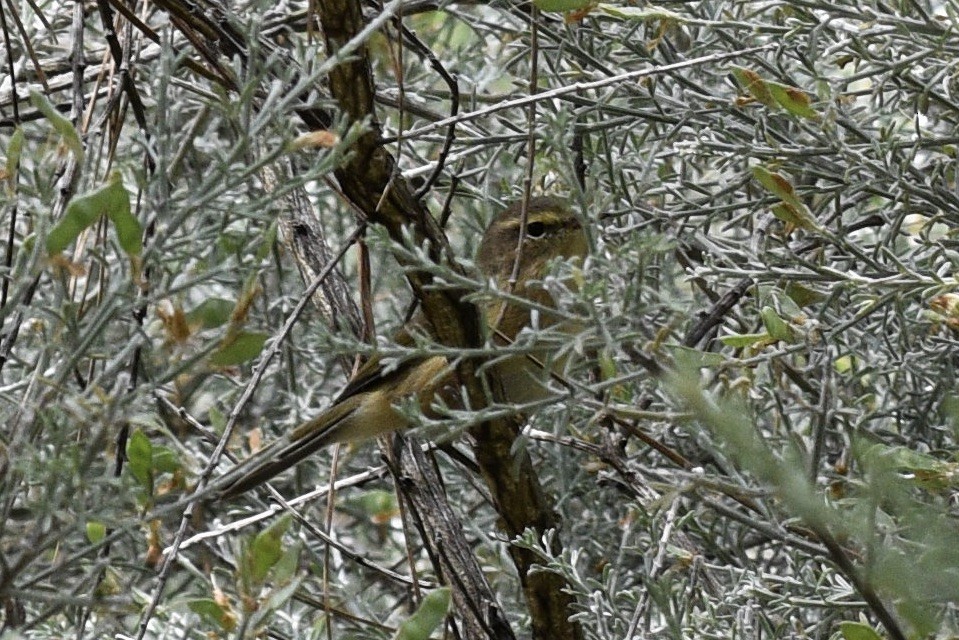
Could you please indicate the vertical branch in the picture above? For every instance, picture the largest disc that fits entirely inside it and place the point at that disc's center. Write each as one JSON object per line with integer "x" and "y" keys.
{"x": 11, "y": 232}
{"x": 310, "y": 248}
{"x": 368, "y": 179}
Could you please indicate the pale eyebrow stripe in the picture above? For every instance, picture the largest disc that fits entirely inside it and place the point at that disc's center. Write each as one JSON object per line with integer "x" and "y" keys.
{"x": 546, "y": 217}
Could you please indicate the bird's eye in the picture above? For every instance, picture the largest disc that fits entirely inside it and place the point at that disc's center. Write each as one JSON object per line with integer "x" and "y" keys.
{"x": 535, "y": 230}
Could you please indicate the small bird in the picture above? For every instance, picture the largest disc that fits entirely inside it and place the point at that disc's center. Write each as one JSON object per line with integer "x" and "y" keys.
{"x": 366, "y": 407}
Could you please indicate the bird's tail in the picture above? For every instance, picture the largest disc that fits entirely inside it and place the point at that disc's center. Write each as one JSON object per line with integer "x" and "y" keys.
{"x": 287, "y": 451}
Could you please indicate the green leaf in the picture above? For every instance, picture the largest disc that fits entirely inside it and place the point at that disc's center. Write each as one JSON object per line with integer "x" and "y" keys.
{"x": 775, "y": 326}
{"x": 239, "y": 348}
{"x": 788, "y": 214}
{"x": 791, "y": 209}
{"x": 795, "y": 101}
{"x": 755, "y": 85}
{"x": 76, "y": 219}
{"x": 281, "y": 596}
{"x": 562, "y": 5}
{"x": 701, "y": 358}
{"x": 775, "y": 184}
{"x": 217, "y": 419}
{"x": 428, "y": 617}
{"x": 787, "y": 307}
{"x": 902, "y": 458}
{"x": 844, "y": 364}
{"x": 211, "y": 313}
{"x": 96, "y": 531}
{"x": 743, "y": 340}
{"x": 62, "y": 126}
{"x": 140, "y": 457}
{"x": 799, "y": 216}
{"x": 14, "y": 150}
{"x": 285, "y": 568}
{"x": 858, "y": 631}
{"x": 926, "y": 471}
{"x": 267, "y": 549}
{"x": 165, "y": 460}
{"x": 129, "y": 231}
{"x": 803, "y": 295}
{"x": 111, "y": 200}
{"x": 607, "y": 366}
{"x": 208, "y": 609}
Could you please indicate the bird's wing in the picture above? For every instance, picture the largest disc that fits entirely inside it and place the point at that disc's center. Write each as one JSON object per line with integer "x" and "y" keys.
{"x": 363, "y": 410}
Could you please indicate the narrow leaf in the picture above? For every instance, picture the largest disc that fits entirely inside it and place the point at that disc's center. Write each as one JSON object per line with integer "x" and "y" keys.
{"x": 431, "y": 613}
{"x": 791, "y": 209}
{"x": 775, "y": 183}
{"x": 111, "y": 200}
{"x": 802, "y": 295}
{"x": 165, "y": 460}
{"x": 776, "y": 326}
{"x": 796, "y": 214}
{"x": 140, "y": 456}
{"x": 129, "y": 231}
{"x": 562, "y": 5}
{"x": 211, "y": 313}
{"x": 96, "y": 531}
{"x": 755, "y": 85}
{"x": 795, "y": 101}
{"x": 60, "y": 124}
{"x": 210, "y": 610}
{"x": 701, "y": 358}
{"x": 844, "y": 364}
{"x": 240, "y": 348}
{"x": 743, "y": 340}
{"x": 14, "y": 149}
{"x": 267, "y": 549}
{"x": 858, "y": 631}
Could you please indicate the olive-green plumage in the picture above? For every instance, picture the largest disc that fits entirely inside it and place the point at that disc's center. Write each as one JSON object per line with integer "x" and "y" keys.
{"x": 365, "y": 408}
